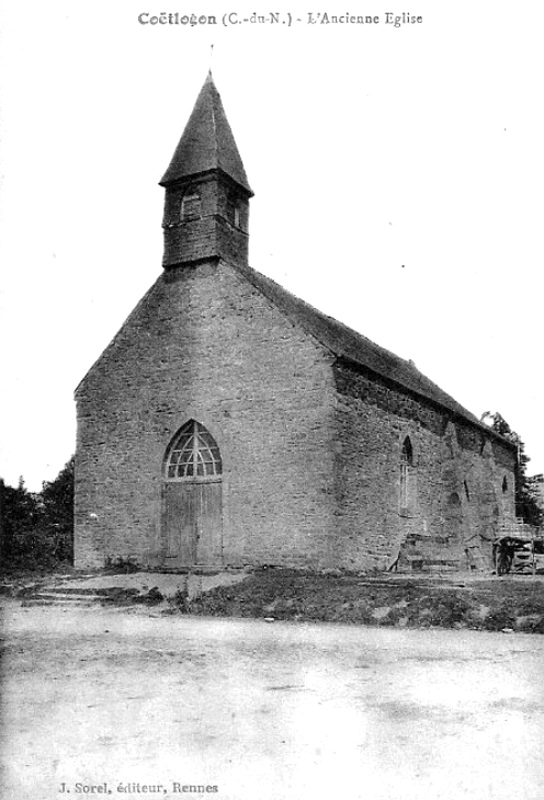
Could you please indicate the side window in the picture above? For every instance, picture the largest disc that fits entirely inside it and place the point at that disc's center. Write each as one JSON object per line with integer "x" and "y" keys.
{"x": 407, "y": 485}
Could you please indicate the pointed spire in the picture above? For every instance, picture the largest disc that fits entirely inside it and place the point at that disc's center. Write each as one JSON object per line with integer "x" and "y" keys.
{"x": 207, "y": 142}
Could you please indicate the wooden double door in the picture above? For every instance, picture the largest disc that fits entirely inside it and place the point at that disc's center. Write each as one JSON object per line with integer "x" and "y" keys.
{"x": 192, "y": 525}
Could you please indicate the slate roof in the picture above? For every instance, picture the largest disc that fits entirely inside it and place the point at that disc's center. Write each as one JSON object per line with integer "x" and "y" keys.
{"x": 347, "y": 344}
{"x": 207, "y": 142}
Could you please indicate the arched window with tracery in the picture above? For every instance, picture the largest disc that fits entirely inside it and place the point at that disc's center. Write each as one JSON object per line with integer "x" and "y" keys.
{"x": 190, "y": 204}
{"x": 193, "y": 455}
{"x": 407, "y": 478}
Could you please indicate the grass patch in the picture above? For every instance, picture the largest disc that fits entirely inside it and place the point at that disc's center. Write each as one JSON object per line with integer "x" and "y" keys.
{"x": 401, "y": 602}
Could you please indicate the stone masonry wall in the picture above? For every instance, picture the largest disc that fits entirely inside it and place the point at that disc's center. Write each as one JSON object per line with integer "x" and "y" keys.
{"x": 457, "y": 498}
{"x": 311, "y": 455}
{"x": 205, "y": 344}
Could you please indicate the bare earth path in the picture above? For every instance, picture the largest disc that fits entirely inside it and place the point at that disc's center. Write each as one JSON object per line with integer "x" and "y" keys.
{"x": 265, "y": 711}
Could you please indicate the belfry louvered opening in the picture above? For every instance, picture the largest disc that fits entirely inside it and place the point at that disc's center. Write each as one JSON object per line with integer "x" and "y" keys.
{"x": 191, "y": 204}
{"x": 194, "y": 454}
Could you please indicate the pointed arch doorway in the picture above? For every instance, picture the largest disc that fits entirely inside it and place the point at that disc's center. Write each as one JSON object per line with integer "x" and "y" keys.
{"x": 192, "y": 499}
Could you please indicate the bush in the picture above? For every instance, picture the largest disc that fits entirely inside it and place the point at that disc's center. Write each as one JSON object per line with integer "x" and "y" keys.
{"x": 499, "y": 618}
{"x": 152, "y": 598}
{"x": 180, "y": 601}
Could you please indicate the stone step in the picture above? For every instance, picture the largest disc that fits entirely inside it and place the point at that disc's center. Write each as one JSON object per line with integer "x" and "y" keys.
{"x": 59, "y": 601}
{"x": 68, "y": 591}
{"x": 422, "y": 563}
{"x": 56, "y": 596}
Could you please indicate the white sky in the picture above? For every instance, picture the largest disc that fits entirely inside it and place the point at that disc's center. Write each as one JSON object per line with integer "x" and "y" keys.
{"x": 368, "y": 148}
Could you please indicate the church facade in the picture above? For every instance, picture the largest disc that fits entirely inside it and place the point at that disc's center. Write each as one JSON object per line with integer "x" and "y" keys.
{"x": 229, "y": 423}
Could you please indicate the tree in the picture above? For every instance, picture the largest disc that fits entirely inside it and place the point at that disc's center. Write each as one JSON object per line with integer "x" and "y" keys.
{"x": 37, "y": 529}
{"x": 57, "y": 513}
{"x": 527, "y": 496}
{"x": 20, "y": 516}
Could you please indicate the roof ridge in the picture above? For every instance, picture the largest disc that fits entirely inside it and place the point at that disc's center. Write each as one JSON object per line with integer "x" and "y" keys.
{"x": 214, "y": 123}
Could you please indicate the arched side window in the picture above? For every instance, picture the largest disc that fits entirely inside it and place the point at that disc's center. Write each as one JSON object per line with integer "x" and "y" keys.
{"x": 407, "y": 478}
{"x": 504, "y": 485}
{"x": 453, "y": 518}
{"x": 190, "y": 204}
{"x": 194, "y": 454}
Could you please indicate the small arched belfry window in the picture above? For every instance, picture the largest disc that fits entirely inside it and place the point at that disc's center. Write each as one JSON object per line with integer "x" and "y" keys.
{"x": 194, "y": 454}
{"x": 407, "y": 478}
{"x": 234, "y": 209}
{"x": 190, "y": 204}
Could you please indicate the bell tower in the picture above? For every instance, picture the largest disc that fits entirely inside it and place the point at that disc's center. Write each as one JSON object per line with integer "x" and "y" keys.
{"x": 206, "y": 209}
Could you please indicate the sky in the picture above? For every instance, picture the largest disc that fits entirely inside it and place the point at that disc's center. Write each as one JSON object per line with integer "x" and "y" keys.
{"x": 398, "y": 176}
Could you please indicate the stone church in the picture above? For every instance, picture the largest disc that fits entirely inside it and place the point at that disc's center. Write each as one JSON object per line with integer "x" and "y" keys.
{"x": 229, "y": 423}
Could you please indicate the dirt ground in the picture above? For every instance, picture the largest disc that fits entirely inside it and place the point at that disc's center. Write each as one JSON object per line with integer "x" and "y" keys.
{"x": 124, "y": 700}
